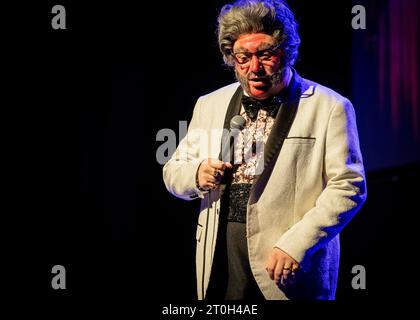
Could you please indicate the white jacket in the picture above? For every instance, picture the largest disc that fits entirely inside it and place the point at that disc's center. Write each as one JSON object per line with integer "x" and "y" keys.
{"x": 314, "y": 187}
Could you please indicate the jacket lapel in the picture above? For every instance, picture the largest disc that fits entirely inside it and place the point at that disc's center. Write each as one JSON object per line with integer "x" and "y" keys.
{"x": 234, "y": 107}
{"x": 279, "y": 132}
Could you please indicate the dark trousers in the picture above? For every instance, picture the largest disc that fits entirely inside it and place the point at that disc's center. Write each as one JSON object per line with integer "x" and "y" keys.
{"x": 231, "y": 277}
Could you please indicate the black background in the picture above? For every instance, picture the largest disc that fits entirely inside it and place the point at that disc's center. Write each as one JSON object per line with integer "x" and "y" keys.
{"x": 85, "y": 189}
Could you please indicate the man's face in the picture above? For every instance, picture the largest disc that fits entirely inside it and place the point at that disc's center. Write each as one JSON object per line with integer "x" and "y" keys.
{"x": 256, "y": 68}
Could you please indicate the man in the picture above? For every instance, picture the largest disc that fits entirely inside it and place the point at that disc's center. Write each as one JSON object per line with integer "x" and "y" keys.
{"x": 270, "y": 233}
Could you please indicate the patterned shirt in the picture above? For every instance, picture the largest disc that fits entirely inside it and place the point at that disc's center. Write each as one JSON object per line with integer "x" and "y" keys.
{"x": 248, "y": 160}
{"x": 249, "y": 147}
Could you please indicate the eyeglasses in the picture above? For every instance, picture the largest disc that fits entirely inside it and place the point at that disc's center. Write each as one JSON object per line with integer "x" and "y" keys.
{"x": 264, "y": 56}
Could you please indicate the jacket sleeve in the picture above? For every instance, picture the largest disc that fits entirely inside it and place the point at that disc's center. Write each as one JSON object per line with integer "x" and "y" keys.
{"x": 179, "y": 173}
{"x": 343, "y": 195}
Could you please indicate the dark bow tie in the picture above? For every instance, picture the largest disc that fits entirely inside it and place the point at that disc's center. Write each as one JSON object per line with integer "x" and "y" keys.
{"x": 252, "y": 106}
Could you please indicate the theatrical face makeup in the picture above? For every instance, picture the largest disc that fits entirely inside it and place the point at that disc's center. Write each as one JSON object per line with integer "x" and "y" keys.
{"x": 258, "y": 75}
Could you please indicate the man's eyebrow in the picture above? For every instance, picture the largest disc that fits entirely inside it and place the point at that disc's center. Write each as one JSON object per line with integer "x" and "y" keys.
{"x": 262, "y": 46}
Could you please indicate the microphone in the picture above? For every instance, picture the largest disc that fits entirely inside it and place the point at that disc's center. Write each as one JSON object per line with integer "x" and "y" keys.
{"x": 237, "y": 123}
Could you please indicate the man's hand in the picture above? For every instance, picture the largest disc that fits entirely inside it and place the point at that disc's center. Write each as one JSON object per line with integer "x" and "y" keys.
{"x": 281, "y": 267}
{"x": 210, "y": 173}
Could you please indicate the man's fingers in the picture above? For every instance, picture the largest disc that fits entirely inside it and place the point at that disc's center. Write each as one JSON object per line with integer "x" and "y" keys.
{"x": 214, "y": 163}
{"x": 270, "y": 269}
{"x": 210, "y": 178}
{"x": 213, "y": 168}
{"x": 278, "y": 271}
{"x": 210, "y": 181}
{"x": 283, "y": 268}
{"x": 217, "y": 164}
{"x": 270, "y": 272}
{"x": 220, "y": 173}
{"x": 287, "y": 270}
{"x": 216, "y": 172}
{"x": 228, "y": 165}
{"x": 206, "y": 179}
{"x": 285, "y": 274}
{"x": 295, "y": 268}
{"x": 288, "y": 280}
{"x": 210, "y": 185}
{"x": 209, "y": 169}
{"x": 213, "y": 186}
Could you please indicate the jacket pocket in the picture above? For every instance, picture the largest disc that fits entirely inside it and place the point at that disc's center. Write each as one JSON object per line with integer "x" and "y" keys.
{"x": 300, "y": 140}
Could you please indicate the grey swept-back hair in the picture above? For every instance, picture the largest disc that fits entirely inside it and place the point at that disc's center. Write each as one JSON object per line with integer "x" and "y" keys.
{"x": 272, "y": 17}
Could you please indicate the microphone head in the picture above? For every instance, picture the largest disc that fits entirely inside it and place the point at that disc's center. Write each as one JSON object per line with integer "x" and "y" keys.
{"x": 237, "y": 122}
